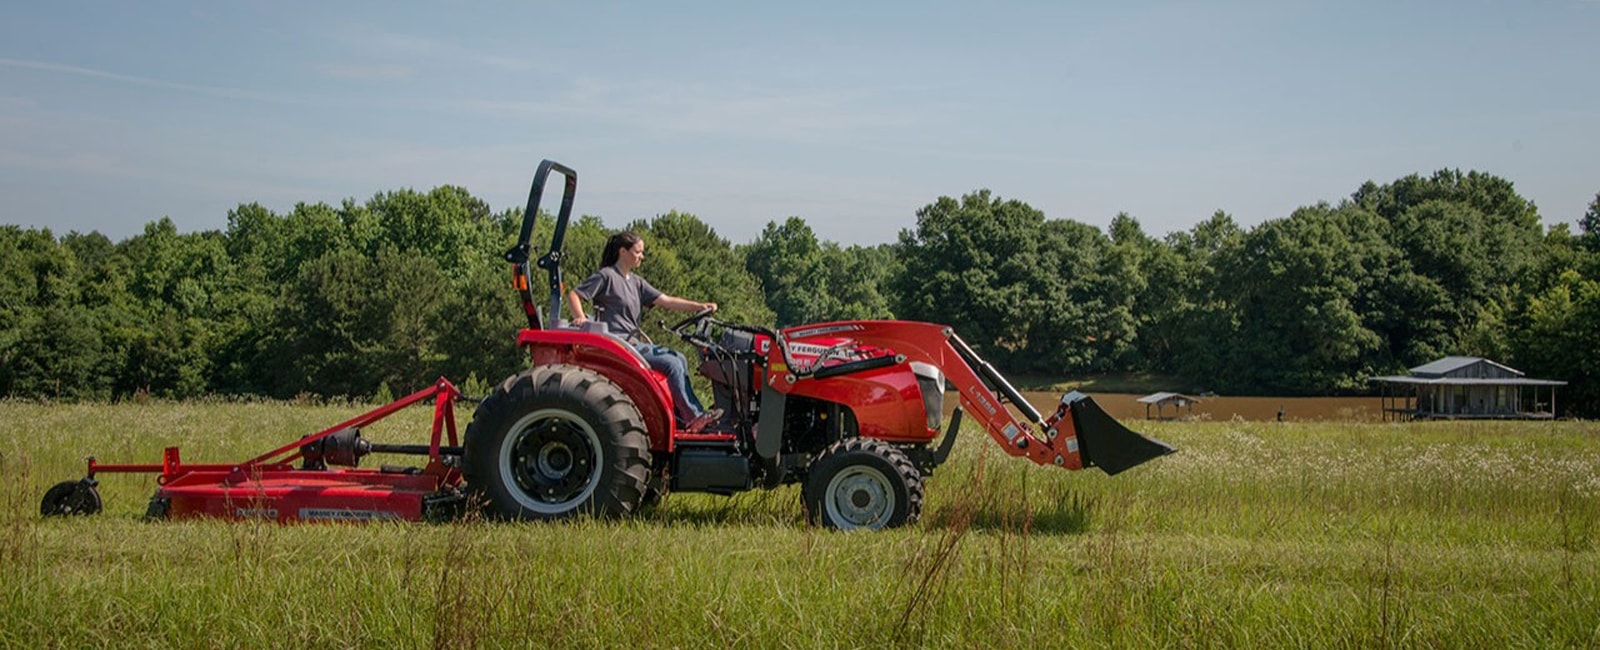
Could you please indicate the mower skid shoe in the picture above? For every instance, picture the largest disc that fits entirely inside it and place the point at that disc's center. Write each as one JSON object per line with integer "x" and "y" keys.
{"x": 1104, "y": 442}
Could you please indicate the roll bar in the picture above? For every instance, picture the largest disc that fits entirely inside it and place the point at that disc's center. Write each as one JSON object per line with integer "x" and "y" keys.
{"x": 519, "y": 254}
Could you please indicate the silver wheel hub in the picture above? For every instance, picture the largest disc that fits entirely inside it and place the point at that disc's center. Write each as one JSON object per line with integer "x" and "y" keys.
{"x": 550, "y": 461}
{"x": 860, "y": 497}
{"x": 555, "y": 460}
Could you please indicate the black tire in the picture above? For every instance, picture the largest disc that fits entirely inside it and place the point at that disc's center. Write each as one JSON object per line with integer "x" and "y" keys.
{"x": 70, "y": 498}
{"x": 655, "y": 490}
{"x": 863, "y": 483}
{"x": 554, "y": 442}
{"x": 652, "y": 500}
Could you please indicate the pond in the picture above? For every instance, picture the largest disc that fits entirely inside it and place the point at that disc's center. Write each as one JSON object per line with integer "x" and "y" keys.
{"x": 1220, "y": 408}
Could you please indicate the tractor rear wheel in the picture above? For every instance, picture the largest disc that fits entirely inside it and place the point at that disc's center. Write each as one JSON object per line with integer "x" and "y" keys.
{"x": 557, "y": 441}
{"x": 863, "y": 483}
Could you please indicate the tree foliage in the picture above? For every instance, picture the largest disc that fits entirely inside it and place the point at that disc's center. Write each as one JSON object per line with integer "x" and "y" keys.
{"x": 385, "y": 295}
{"x": 1297, "y": 287}
{"x": 1029, "y": 291}
{"x": 804, "y": 280}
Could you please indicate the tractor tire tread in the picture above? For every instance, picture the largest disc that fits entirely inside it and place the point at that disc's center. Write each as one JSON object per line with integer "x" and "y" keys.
{"x": 626, "y": 467}
{"x": 903, "y": 467}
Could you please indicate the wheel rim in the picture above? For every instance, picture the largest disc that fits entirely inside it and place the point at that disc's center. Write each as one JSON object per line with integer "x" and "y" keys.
{"x": 860, "y": 497}
{"x": 551, "y": 460}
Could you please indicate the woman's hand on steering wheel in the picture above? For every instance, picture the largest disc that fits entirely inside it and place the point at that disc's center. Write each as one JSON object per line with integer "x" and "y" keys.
{"x": 709, "y": 309}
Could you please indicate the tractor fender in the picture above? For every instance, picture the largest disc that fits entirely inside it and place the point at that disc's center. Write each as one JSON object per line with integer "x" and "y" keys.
{"x": 614, "y": 360}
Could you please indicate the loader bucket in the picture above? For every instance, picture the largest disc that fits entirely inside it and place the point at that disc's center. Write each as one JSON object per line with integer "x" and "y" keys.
{"x": 1104, "y": 442}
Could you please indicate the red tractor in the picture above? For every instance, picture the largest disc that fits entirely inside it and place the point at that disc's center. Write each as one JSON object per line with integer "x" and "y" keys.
{"x": 850, "y": 410}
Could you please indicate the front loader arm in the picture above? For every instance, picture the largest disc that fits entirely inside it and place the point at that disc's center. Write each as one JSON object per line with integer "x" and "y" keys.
{"x": 1077, "y": 435}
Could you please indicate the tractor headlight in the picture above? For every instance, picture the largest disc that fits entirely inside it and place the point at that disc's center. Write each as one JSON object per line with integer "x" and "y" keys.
{"x": 931, "y": 380}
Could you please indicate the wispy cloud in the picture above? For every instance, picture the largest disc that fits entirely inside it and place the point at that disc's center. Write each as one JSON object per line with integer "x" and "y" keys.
{"x": 359, "y": 72}
{"x": 744, "y": 111}
{"x": 377, "y": 42}
{"x": 148, "y": 82}
{"x": 666, "y": 106}
{"x": 77, "y": 163}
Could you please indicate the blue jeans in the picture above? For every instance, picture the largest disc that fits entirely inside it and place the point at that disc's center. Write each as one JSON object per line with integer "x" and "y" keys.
{"x": 671, "y": 363}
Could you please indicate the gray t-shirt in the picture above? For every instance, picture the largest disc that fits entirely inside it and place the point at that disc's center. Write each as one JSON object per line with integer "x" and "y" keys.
{"x": 617, "y": 299}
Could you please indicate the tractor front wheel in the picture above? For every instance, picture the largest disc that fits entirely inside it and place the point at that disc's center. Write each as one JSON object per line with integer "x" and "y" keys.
{"x": 557, "y": 441}
{"x": 863, "y": 483}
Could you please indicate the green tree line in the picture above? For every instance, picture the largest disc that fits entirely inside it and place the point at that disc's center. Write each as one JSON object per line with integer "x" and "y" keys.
{"x": 386, "y": 295}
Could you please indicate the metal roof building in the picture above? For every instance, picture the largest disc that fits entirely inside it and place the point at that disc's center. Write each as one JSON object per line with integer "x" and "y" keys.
{"x": 1178, "y": 402}
{"x": 1467, "y": 388}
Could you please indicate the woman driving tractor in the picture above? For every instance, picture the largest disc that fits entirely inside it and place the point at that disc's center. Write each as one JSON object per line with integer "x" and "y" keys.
{"x": 619, "y": 295}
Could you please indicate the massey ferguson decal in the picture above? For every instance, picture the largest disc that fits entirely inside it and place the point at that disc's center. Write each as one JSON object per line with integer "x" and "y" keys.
{"x": 818, "y": 331}
{"x": 340, "y": 514}
{"x": 806, "y": 349}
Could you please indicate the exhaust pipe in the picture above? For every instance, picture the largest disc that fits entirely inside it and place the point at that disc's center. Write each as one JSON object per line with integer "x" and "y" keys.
{"x": 1105, "y": 443}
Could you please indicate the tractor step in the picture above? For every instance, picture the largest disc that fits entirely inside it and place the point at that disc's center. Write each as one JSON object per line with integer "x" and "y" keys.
{"x": 702, "y": 438}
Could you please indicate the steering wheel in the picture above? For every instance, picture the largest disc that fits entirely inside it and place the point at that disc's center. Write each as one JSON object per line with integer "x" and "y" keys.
{"x": 692, "y": 320}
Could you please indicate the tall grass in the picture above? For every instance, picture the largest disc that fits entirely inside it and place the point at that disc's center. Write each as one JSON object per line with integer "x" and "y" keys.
{"x": 1254, "y": 535}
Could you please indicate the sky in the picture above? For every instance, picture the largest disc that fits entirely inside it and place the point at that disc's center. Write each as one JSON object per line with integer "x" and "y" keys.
{"x": 851, "y": 115}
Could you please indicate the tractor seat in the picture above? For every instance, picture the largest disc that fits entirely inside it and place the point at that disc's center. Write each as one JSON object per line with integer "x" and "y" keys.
{"x": 597, "y": 327}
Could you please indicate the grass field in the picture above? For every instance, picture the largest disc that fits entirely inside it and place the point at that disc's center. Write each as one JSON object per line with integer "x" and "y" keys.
{"x": 1470, "y": 535}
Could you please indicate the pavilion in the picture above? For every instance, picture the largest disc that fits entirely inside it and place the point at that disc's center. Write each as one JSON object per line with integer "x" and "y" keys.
{"x": 1178, "y": 401}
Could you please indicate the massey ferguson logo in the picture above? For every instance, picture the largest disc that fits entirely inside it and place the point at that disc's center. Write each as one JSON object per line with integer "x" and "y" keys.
{"x": 338, "y": 514}
{"x": 807, "y": 349}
